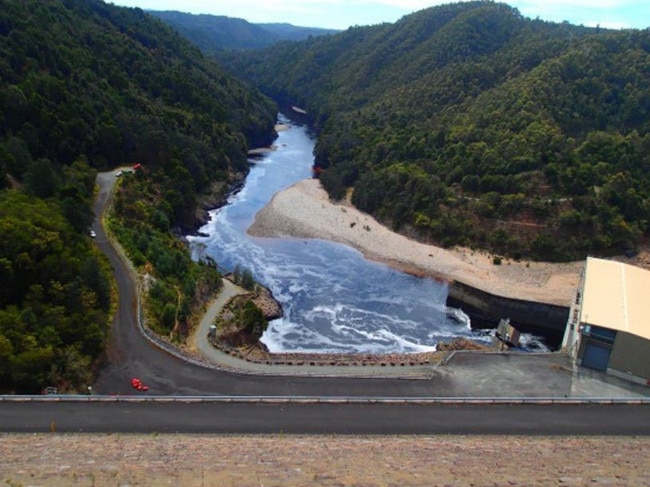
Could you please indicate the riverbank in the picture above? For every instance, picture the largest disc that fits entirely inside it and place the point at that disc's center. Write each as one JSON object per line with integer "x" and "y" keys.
{"x": 305, "y": 211}
{"x": 260, "y": 151}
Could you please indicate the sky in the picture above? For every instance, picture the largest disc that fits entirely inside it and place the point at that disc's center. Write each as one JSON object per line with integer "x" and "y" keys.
{"x": 341, "y": 14}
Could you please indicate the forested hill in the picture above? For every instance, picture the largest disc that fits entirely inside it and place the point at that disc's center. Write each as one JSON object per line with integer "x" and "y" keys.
{"x": 212, "y": 33}
{"x": 470, "y": 124}
{"x": 117, "y": 86}
{"x": 86, "y": 86}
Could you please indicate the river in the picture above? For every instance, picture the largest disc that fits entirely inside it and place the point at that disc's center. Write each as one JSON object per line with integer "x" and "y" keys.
{"x": 334, "y": 300}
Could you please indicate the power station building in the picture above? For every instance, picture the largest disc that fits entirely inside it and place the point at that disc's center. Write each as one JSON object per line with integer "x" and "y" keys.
{"x": 609, "y": 321}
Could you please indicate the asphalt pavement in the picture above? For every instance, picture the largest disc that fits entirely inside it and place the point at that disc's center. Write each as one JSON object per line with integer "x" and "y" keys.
{"x": 324, "y": 418}
{"x": 467, "y": 374}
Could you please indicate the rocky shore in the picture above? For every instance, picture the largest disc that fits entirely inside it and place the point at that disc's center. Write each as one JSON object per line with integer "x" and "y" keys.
{"x": 216, "y": 197}
{"x": 265, "y": 301}
{"x": 220, "y": 191}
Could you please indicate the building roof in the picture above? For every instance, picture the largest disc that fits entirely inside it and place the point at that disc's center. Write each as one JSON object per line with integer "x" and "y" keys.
{"x": 615, "y": 296}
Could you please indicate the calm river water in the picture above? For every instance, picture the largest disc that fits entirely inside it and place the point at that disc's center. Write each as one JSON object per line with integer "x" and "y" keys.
{"x": 334, "y": 300}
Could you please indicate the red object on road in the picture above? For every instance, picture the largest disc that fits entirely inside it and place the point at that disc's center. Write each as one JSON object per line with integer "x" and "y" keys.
{"x": 137, "y": 384}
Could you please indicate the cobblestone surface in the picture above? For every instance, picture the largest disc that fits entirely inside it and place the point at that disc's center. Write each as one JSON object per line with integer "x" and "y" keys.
{"x": 202, "y": 460}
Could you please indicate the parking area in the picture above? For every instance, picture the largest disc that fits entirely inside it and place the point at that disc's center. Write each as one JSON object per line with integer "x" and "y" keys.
{"x": 470, "y": 374}
{"x": 473, "y": 374}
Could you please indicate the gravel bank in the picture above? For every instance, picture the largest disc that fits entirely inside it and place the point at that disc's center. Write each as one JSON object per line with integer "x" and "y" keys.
{"x": 305, "y": 211}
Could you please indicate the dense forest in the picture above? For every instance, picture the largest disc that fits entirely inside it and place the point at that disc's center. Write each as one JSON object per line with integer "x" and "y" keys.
{"x": 86, "y": 86}
{"x": 468, "y": 124}
{"x": 212, "y": 33}
{"x": 55, "y": 292}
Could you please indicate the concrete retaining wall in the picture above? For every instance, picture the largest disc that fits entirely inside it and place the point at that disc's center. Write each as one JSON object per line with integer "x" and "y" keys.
{"x": 485, "y": 310}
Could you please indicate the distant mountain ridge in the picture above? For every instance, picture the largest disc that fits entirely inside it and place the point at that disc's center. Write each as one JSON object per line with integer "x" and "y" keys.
{"x": 215, "y": 32}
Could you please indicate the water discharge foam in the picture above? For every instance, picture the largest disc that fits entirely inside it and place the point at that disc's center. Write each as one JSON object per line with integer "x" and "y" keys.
{"x": 333, "y": 299}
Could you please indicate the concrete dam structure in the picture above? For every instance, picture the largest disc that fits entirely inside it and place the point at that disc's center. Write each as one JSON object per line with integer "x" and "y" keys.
{"x": 486, "y": 310}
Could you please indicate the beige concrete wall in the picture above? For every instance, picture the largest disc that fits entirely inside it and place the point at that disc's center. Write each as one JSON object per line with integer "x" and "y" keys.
{"x": 631, "y": 354}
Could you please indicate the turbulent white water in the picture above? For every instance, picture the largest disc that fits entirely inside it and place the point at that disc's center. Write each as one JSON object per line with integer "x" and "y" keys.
{"x": 334, "y": 300}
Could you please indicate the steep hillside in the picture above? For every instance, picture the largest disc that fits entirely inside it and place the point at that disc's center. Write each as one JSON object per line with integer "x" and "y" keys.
{"x": 87, "y": 86}
{"x": 470, "y": 124}
{"x": 118, "y": 86}
{"x": 212, "y": 33}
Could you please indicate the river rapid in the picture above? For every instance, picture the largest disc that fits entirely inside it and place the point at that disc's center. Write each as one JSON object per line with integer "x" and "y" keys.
{"x": 334, "y": 300}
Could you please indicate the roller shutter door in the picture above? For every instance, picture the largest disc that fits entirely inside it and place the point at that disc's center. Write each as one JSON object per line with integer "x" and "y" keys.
{"x": 596, "y": 356}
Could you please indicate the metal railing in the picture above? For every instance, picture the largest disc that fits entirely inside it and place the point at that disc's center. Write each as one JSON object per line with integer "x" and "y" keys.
{"x": 645, "y": 401}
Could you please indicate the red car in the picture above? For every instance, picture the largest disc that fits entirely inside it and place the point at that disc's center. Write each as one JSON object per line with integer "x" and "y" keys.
{"x": 137, "y": 384}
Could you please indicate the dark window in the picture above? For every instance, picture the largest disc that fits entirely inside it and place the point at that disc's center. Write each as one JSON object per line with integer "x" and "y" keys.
{"x": 604, "y": 335}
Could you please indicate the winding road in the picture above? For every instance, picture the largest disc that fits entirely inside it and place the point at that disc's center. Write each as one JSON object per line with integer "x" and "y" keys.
{"x": 188, "y": 397}
{"x": 131, "y": 354}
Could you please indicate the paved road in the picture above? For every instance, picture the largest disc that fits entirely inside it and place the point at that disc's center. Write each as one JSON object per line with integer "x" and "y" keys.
{"x": 199, "y": 338}
{"x": 231, "y": 418}
{"x": 130, "y": 354}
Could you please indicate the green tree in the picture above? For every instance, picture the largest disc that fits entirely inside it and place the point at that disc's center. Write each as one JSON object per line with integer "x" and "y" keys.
{"x": 41, "y": 179}
{"x": 247, "y": 280}
{"x": 253, "y": 321}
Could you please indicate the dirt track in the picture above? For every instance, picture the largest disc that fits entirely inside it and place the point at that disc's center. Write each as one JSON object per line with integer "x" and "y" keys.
{"x": 197, "y": 460}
